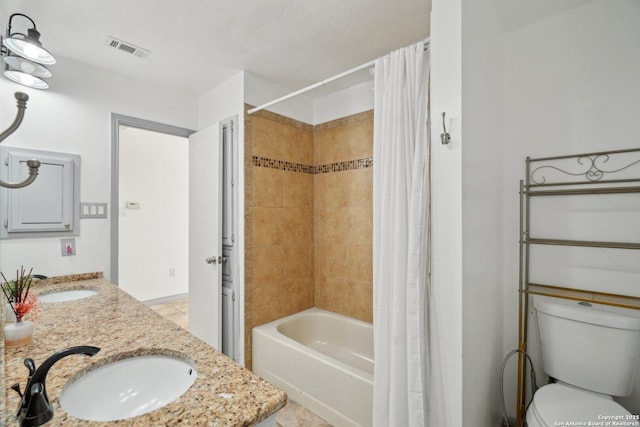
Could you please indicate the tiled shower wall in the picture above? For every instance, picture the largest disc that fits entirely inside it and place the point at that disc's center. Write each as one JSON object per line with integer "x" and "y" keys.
{"x": 278, "y": 220}
{"x": 308, "y": 218}
{"x": 343, "y": 216}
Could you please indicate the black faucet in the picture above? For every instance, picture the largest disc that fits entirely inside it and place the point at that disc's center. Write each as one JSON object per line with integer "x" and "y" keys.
{"x": 35, "y": 409}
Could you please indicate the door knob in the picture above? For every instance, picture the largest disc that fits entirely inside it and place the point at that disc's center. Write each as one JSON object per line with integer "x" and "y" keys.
{"x": 224, "y": 259}
{"x": 212, "y": 260}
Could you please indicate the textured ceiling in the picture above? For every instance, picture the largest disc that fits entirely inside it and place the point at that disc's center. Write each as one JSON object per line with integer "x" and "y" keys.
{"x": 197, "y": 44}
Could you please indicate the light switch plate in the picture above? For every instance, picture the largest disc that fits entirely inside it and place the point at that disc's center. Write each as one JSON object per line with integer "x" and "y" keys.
{"x": 93, "y": 210}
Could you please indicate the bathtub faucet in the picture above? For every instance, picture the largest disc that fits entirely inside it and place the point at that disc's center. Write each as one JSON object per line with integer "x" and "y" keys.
{"x": 35, "y": 409}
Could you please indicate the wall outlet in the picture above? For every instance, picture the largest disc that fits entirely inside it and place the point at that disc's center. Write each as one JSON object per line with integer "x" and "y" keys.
{"x": 68, "y": 246}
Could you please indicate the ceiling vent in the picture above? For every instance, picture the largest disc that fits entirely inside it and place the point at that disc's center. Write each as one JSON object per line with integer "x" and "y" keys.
{"x": 127, "y": 47}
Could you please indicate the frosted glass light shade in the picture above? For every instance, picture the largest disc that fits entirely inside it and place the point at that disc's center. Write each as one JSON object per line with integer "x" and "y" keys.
{"x": 21, "y": 64}
{"x": 26, "y": 79}
{"x": 27, "y": 48}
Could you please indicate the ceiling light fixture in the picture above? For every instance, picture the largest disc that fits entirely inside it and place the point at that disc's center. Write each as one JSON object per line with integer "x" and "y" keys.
{"x": 25, "y": 59}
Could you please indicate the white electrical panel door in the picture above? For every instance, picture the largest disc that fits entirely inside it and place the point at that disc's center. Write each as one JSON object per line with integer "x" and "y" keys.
{"x": 50, "y": 204}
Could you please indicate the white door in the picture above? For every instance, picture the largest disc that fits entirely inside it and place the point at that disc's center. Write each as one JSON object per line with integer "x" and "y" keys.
{"x": 205, "y": 236}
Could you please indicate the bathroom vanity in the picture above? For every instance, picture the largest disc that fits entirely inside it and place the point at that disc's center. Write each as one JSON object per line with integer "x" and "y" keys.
{"x": 223, "y": 394}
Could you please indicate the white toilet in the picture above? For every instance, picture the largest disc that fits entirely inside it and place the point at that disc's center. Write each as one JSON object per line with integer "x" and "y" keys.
{"x": 593, "y": 352}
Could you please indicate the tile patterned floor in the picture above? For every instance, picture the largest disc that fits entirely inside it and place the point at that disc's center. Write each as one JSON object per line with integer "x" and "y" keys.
{"x": 292, "y": 415}
{"x": 295, "y": 415}
{"x": 177, "y": 311}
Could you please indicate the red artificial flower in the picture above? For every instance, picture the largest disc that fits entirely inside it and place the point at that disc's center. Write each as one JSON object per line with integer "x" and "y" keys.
{"x": 28, "y": 304}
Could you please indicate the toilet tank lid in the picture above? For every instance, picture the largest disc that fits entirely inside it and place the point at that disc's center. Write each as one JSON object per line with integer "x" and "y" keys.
{"x": 597, "y": 314}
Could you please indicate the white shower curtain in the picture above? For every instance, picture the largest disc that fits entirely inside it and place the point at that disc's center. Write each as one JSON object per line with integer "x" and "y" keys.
{"x": 401, "y": 238}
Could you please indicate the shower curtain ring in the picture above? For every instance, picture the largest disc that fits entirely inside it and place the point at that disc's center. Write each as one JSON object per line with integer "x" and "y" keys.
{"x": 445, "y": 137}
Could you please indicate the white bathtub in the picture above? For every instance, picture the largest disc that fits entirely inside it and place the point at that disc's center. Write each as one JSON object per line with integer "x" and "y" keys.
{"x": 322, "y": 360}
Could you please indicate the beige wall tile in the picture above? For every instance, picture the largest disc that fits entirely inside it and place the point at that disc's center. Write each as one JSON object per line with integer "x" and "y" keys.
{"x": 298, "y": 189}
{"x": 270, "y": 294}
{"x": 359, "y": 140}
{"x": 331, "y": 226}
{"x": 360, "y": 224}
{"x": 298, "y": 225}
{"x": 326, "y": 147}
{"x": 359, "y": 187}
{"x": 248, "y": 267}
{"x": 268, "y": 265}
{"x": 268, "y": 187}
{"x": 248, "y": 181}
{"x": 359, "y": 263}
{"x": 298, "y": 260}
{"x": 281, "y": 141}
{"x": 342, "y": 143}
{"x": 330, "y": 260}
{"x": 299, "y": 294}
{"x": 248, "y": 227}
{"x": 332, "y": 294}
{"x": 331, "y": 190}
{"x": 297, "y": 144}
{"x": 265, "y": 139}
{"x": 268, "y": 226}
{"x": 351, "y": 188}
{"x": 361, "y": 296}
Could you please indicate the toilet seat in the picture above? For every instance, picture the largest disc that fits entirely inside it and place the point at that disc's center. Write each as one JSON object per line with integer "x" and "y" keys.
{"x": 557, "y": 404}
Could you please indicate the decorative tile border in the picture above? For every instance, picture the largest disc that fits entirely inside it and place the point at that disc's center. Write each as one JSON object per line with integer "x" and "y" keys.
{"x": 281, "y": 165}
{"x": 313, "y": 170}
{"x": 344, "y": 166}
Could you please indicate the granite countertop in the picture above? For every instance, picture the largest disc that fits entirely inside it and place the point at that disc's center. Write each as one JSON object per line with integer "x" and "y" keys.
{"x": 224, "y": 393}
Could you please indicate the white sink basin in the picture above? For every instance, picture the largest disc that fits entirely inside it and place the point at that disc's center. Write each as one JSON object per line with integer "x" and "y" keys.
{"x": 64, "y": 296}
{"x": 127, "y": 388}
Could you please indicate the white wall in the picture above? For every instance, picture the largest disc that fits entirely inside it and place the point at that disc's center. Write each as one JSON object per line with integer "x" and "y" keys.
{"x": 446, "y": 315}
{"x": 570, "y": 86}
{"x": 259, "y": 90}
{"x": 310, "y": 108}
{"x": 343, "y": 103}
{"x": 74, "y": 116}
{"x": 154, "y": 239}
{"x": 482, "y": 51}
{"x": 222, "y": 102}
{"x": 566, "y": 84}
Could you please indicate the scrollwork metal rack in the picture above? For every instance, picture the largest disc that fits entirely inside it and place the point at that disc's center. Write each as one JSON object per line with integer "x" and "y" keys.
{"x": 607, "y": 172}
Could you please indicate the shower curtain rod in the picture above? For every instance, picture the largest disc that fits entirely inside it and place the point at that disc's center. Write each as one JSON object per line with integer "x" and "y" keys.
{"x": 321, "y": 83}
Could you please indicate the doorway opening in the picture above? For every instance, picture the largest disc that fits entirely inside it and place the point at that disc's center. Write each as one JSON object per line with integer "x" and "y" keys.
{"x": 139, "y": 127}
{"x": 153, "y": 210}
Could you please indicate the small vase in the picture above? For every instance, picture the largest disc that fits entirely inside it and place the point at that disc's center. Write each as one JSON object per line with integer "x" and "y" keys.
{"x": 18, "y": 334}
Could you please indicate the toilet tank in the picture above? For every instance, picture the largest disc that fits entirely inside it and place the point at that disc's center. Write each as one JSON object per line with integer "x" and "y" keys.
{"x": 591, "y": 346}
